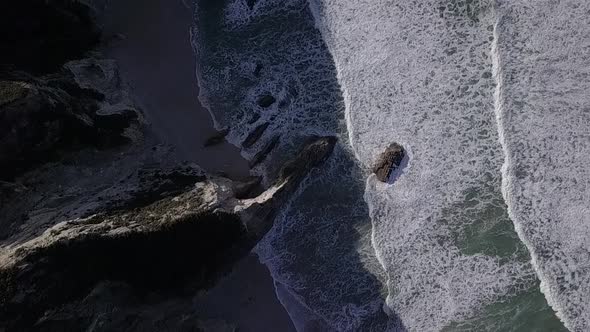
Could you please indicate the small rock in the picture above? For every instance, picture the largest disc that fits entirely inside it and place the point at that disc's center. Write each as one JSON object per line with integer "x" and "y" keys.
{"x": 253, "y": 118}
{"x": 262, "y": 154}
{"x": 255, "y": 135}
{"x": 217, "y": 138}
{"x": 266, "y": 101}
{"x": 389, "y": 161}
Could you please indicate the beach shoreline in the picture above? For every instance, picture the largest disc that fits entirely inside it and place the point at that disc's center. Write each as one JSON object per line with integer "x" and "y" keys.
{"x": 150, "y": 40}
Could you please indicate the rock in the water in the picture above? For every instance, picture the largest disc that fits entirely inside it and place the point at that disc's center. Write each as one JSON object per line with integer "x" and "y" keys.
{"x": 217, "y": 138}
{"x": 263, "y": 153}
{"x": 266, "y": 101}
{"x": 255, "y": 135}
{"x": 389, "y": 161}
{"x": 258, "y": 69}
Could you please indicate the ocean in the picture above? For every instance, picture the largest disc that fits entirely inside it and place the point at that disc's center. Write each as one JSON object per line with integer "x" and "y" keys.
{"x": 484, "y": 228}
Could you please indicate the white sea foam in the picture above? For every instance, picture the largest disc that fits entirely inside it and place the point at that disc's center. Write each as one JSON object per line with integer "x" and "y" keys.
{"x": 238, "y": 13}
{"x": 544, "y": 116}
{"x": 414, "y": 72}
{"x": 419, "y": 73}
{"x": 319, "y": 249}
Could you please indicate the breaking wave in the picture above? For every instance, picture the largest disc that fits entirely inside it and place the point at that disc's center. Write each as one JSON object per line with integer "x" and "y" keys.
{"x": 435, "y": 250}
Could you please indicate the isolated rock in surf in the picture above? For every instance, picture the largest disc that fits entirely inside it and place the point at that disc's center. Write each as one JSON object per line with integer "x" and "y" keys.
{"x": 389, "y": 161}
{"x": 255, "y": 135}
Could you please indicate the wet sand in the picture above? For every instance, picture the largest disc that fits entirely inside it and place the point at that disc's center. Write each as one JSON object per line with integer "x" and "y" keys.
{"x": 245, "y": 299}
{"x": 157, "y": 60}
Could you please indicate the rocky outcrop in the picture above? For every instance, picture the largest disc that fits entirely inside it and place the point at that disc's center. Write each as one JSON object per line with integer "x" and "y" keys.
{"x": 102, "y": 228}
{"x": 181, "y": 242}
{"x": 389, "y": 161}
{"x": 263, "y": 153}
{"x": 39, "y": 36}
{"x": 255, "y": 135}
{"x": 43, "y": 117}
{"x": 217, "y": 138}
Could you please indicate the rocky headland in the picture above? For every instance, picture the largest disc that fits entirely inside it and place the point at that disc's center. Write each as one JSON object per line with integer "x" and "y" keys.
{"x": 103, "y": 226}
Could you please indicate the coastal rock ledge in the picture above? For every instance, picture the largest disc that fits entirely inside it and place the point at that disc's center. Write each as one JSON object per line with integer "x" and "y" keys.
{"x": 103, "y": 226}
{"x": 175, "y": 245}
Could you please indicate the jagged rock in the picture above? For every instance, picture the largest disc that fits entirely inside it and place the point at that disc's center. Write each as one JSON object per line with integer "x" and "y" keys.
{"x": 41, "y": 35}
{"x": 42, "y": 117}
{"x": 254, "y": 136}
{"x": 389, "y": 161}
{"x": 156, "y": 183}
{"x": 179, "y": 243}
{"x": 217, "y": 138}
{"x": 266, "y": 101}
{"x": 263, "y": 153}
{"x": 258, "y": 68}
{"x": 11, "y": 91}
{"x": 253, "y": 118}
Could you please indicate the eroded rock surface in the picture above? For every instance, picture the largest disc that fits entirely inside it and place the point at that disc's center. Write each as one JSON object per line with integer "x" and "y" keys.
{"x": 40, "y": 118}
{"x": 389, "y": 161}
{"x": 266, "y": 101}
{"x": 180, "y": 242}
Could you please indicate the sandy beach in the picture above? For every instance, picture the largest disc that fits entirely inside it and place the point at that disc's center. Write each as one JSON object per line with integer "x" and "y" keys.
{"x": 150, "y": 39}
{"x": 245, "y": 299}
{"x": 155, "y": 56}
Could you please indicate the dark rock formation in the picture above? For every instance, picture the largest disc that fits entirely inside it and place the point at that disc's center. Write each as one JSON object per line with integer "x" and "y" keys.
{"x": 258, "y": 68}
{"x": 254, "y": 136}
{"x": 266, "y": 101}
{"x": 39, "y": 36}
{"x": 178, "y": 243}
{"x": 101, "y": 227}
{"x": 40, "y": 118}
{"x": 217, "y": 138}
{"x": 388, "y": 161}
{"x": 253, "y": 118}
{"x": 263, "y": 153}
